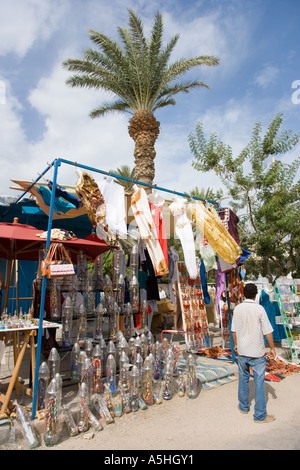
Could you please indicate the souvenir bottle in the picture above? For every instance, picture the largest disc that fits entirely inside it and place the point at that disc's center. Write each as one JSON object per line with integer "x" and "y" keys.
{"x": 152, "y": 359}
{"x": 126, "y": 397}
{"x": 157, "y": 390}
{"x": 59, "y": 381}
{"x": 181, "y": 385}
{"x": 104, "y": 354}
{"x": 150, "y": 339}
{"x": 144, "y": 317}
{"x": 100, "y": 311}
{"x": 144, "y": 346}
{"x": 53, "y": 362}
{"x": 121, "y": 292}
{"x": 134, "y": 261}
{"x": 97, "y": 369}
{"x": 193, "y": 388}
{"x": 157, "y": 364}
{"x": 88, "y": 347}
{"x": 111, "y": 349}
{"x": 89, "y": 296}
{"x": 114, "y": 320}
{"x": 98, "y": 274}
{"x": 134, "y": 376}
{"x": 75, "y": 363}
{"x": 169, "y": 357}
{"x": 55, "y": 300}
{"x": 101, "y": 407}
{"x": 26, "y": 427}
{"x": 87, "y": 378}
{"x": 118, "y": 262}
{"x": 131, "y": 350}
{"x": 107, "y": 291}
{"x": 81, "y": 269}
{"x": 139, "y": 363}
{"x": 122, "y": 346}
{"x": 52, "y": 435}
{"x": 82, "y": 358}
{"x": 118, "y": 402}
{"x": 123, "y": 369}
{"x": 111, "y": 372}
{"x": 134, "y": 294}
{"x": 137, "y": 345}
{"x": 44, "y": 376}
{"x": 147, "y": 393}
{"x": 67, "y": 316}
{"x": 69, "y": 420}
{"x": 82, "y": 326}
{"x": 83, "y": 419}
{"x": 108, "y": 394}
{"x": 93, "y": 421}
{"x": 167, "y": 392}
{"x": 128, "y": 320}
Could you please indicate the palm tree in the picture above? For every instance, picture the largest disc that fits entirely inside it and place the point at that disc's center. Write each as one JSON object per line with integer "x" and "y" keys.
{"x": 207, "y": 194}
{"x": 139, "y": 76}
{"x": 126, "y": 172}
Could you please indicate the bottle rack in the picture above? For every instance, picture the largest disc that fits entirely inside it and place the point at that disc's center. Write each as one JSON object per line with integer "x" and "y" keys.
{"x": 289, "y": 305}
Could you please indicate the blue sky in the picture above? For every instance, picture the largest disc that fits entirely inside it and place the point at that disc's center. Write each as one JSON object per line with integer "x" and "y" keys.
{"x": 41, "y": 118}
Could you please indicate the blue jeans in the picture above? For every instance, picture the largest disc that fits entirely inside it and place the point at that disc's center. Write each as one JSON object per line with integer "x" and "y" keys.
{"x": 258, "y": 365}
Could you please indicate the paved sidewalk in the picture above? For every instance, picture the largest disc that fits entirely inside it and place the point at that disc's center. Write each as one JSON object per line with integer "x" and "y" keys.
{"x": 211, "y": 421}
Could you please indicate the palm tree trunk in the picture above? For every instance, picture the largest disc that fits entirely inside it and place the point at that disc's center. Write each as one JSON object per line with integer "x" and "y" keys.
{"x": 144, "y": 129}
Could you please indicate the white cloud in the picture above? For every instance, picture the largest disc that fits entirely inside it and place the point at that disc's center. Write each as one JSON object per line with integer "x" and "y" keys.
{"x": 22, "y": 22}
{"x": 267, "y": 76}
{"x": 70, "y": 133}
{"x": 104, "y": 143}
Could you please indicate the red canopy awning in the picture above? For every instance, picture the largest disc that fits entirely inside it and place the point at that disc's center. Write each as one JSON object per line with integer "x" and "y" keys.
{"x": 20, "y": 241}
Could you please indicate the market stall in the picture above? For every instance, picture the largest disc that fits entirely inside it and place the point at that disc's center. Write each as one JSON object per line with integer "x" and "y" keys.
{"x": 119, "y": 366}
{"x": 24, "y": 242}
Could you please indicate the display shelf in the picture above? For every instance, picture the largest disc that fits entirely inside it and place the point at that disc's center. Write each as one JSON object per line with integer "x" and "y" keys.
{"x": 193, "y": 310}
{"x": 289, "y": 306}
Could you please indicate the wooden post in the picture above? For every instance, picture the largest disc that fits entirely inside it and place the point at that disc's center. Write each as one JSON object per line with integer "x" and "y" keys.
{"x": 15, "y": 372}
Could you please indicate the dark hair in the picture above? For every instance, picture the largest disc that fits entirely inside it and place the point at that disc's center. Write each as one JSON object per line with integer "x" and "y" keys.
{"x": 250, "y": 291}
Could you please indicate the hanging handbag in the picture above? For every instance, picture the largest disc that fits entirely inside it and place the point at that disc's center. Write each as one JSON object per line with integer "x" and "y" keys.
{"x": 57, "y": 262}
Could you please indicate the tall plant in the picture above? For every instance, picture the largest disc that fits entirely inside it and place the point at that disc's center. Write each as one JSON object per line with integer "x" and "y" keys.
{"x": 264, "y": 192}
{"x": 141, "y": 78}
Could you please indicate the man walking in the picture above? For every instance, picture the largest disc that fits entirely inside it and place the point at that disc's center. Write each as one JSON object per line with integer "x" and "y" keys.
{"x": 250, "y": 324}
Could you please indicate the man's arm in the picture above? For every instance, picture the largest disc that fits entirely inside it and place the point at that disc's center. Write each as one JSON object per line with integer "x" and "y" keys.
{"x": 234, "y": 342}
{"x": 270, "y": 340}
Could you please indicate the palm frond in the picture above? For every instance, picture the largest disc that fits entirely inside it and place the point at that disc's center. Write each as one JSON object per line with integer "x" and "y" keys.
{"x": 108, "y": 107}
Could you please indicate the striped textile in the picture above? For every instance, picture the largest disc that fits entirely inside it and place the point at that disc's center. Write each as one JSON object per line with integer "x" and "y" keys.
{"x": 209, "y": 375}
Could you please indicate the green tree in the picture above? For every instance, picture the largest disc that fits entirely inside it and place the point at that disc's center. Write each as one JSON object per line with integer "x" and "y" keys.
{"x": 264, "y": 193}
{"x": 141, "y": 80}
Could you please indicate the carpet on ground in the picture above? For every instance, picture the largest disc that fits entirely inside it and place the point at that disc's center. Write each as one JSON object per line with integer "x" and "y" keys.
{"x": 210, "y": 375}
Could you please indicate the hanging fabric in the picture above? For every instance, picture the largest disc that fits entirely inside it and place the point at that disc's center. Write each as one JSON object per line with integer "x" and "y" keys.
{"x": 156, "y": 203}
{"x": 229, "y": 220}
{"x": 215, "y": 232}
{"x": 145, "y": 223}
{"x": 184, "y": 232}
{"x": 114, "y": 197}
{"x": 94, "y": 203}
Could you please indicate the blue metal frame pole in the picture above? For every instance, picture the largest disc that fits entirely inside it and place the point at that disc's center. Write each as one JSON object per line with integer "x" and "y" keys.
{"x": 108, "y": 173}
{"x": 229, "y": 318}
{"x": 43, "y": 294}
